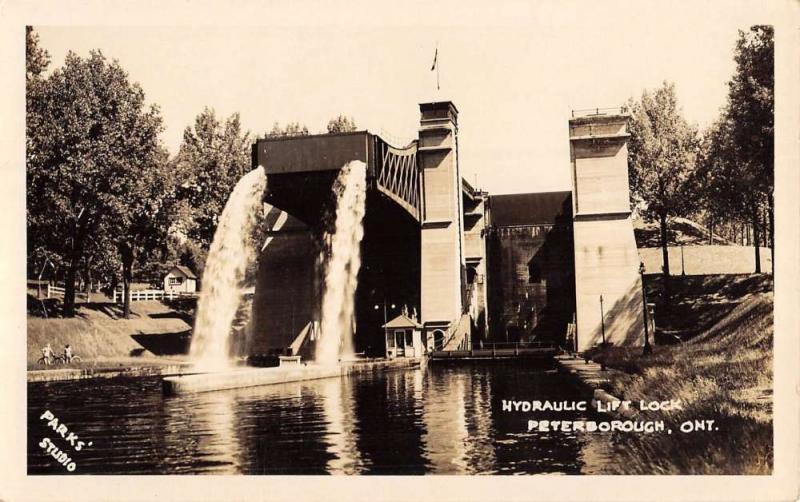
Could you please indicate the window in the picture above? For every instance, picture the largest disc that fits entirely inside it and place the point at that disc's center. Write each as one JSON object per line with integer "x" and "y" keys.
{"x": 174, "y": 281}
{"x": 471, "y": 273}
{"x": 390, "y": 340}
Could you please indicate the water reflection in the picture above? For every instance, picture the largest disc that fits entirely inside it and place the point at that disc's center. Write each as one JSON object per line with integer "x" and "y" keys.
{"x": 337, "y": 402}
{"x": 478, "y": 411}
{"x": 212, "y": 417}
{"x": 389, "y": 426}
{"x": 443, "y": 420}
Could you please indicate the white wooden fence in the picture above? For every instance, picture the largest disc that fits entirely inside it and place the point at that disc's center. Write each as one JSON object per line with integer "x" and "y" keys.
{"x": 55, "y": 291}
{"x": 151, "y": 294}
{"x": 118, "y": 297}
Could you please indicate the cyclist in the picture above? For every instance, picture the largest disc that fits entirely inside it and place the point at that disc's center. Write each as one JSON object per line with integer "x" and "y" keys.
{"x": 47, "y": 353}
{"x": 67, "y": 354}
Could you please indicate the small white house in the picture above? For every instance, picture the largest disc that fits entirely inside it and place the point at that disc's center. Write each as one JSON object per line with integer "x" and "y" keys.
{"x": 403, "y": 338}
{"x": 180, "y": 279}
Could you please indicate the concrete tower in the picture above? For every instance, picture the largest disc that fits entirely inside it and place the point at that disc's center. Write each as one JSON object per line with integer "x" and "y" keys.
{"x": 606, "y": 258}
{"x": 442, "y": 260}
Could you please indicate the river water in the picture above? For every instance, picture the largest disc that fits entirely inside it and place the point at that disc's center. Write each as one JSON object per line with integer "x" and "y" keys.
{"x": 438, "y": 419}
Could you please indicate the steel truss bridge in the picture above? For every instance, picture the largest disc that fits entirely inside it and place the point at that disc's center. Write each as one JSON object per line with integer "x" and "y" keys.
{"x": 309, "y": 162}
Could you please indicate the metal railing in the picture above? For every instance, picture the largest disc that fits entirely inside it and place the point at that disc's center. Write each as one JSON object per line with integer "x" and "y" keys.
{"x": 519, "y": 345}
{"x": 588, "y": 112}
{"x": 499, "y": 350}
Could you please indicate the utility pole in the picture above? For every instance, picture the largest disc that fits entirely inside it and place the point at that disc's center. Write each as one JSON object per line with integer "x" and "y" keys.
{"x": 647, "y": 348}
{"x": 603, "y": 331}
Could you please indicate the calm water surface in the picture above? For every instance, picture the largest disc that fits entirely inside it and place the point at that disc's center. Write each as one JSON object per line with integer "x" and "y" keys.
{"x": 440, "y": 419}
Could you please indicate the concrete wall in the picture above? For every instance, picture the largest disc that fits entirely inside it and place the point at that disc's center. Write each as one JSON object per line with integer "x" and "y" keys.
{"x": 602, "y": 187}
{"x": 287, "y": 289}
{"x": 531, "y": 288}
{"x": 606, "y": 258}
{"x": 606, "y": 263}
{"x": 704, "y": 260}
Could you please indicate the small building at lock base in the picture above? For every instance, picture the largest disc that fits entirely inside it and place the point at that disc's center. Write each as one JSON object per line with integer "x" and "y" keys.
{"x": 403, "y": 337}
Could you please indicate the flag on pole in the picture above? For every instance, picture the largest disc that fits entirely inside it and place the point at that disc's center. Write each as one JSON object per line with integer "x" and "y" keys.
{"x": 435, "y": 65}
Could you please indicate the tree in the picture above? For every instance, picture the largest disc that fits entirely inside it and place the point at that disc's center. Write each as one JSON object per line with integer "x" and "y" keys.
{"x": 89, "y": 137}
{"x": 141, "y": 222}
{"x": 187, "y": 252}
{"x": 341, "y": 124}
{"x": 36, "y": 62}
{"x": 736, "y": 173}
{"x": 750, "y": 114}
{"x": 212, "y": 158}
{"x": 36, "y": 58}
{"x": 291, "y": 129}
{"x": 663, "y": 149}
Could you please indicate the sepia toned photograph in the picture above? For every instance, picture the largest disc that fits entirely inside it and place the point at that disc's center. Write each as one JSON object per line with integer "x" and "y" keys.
{"x": 546, "y": 247}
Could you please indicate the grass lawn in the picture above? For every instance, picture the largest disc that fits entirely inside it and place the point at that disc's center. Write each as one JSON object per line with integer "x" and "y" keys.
{"x": 700, "y": 301}
{"x": 99, "y": 334}
{"x": 723, "y": 372}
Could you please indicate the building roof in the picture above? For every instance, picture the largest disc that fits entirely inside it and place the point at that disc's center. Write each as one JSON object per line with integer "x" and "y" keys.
{"x": 185, "y": 271}
{"x": 529, "y": 208}
{"x": 402, "y": 321}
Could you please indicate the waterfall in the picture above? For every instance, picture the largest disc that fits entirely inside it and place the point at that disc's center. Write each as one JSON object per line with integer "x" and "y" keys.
{"x": 231, "y": 251}
{"x": 343, "y": 264}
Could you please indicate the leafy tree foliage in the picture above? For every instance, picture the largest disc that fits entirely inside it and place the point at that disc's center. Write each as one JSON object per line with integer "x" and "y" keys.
{"x": 36, "y": 62}
{"x": 188, "y": 253}
{"x": 212, "y": 158}
{"x": 341, "y": 124}
{"x": 291, "y": 129}
{"x": 737, "y": 169}
{"x": 142, "y": 220}
{"x": 90, "y": 138}
{"x": 36, "y": 58}
{"x": 750, "y": 112}
{"x": 663, "y": 149}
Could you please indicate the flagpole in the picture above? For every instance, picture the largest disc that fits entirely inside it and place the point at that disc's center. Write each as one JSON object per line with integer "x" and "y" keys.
{"x": 436, "y": 64}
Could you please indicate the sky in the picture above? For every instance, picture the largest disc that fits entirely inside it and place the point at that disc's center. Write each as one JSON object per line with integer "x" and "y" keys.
{"x": 515, "y": 70}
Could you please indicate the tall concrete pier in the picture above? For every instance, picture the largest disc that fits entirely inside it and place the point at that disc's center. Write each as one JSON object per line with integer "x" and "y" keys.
{"x": 442, "y": 222}
{"x": 606, "y": 258}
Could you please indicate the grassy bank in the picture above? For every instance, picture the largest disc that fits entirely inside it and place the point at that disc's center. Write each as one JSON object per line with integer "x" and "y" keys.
{"x": 698, "y": 302}
{"x": 99, "y": 335}
{"x": 724, "y": 373}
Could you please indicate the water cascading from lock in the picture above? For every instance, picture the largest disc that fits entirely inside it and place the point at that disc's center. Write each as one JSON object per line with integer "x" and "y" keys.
{"x": 231, "y": 251}
{"x": 342, "y": 265}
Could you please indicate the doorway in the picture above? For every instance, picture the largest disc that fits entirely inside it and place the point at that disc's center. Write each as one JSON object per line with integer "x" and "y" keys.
{"x": 400, "y": 342}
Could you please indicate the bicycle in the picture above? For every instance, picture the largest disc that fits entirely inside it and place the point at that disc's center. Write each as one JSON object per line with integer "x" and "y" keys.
{"x": 59, "y": 360}
{"x": 63, "y": 360}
